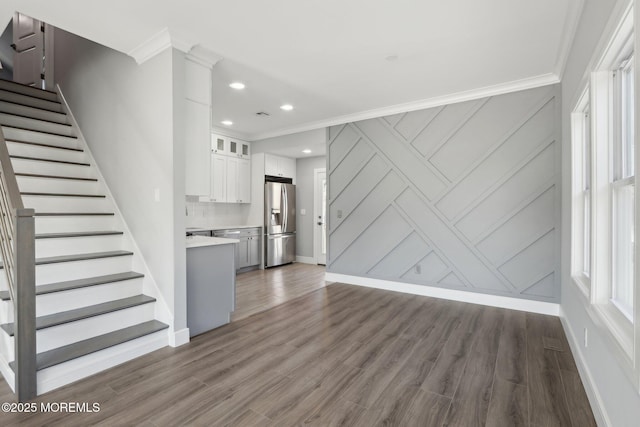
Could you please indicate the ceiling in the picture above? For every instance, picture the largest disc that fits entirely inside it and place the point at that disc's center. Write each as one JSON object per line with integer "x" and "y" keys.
{"x": 337, "y": 60}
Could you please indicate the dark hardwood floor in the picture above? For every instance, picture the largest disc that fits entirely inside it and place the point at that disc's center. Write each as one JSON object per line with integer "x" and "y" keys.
{"x": 345, "y": 355}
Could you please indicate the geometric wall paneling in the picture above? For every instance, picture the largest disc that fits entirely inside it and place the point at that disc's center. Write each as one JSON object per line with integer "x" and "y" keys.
{"x": 458, "y": 196}
{"x": 376, "y": 240}
{"x": 402, "y": 258}
{"x": 479, "y": 133}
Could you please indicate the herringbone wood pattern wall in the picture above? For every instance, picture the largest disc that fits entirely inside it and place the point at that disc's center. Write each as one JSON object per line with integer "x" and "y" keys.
{"x": 462, "y": 196}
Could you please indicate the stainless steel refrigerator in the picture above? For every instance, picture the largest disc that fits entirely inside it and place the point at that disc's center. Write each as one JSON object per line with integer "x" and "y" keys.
{"x": 279, "y": 223}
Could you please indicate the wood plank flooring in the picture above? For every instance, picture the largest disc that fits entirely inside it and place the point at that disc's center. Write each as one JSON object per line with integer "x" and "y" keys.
{"x": 344, "y": 355}
{"x": 259, "y": 290}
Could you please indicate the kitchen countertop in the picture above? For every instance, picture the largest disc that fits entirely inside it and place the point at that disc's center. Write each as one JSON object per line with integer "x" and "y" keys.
{"x": 199, "y": 241}
{"x": 220, "y": 227}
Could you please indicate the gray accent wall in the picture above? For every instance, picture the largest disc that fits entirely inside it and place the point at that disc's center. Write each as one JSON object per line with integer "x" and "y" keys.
{"x": 463, "y": 196}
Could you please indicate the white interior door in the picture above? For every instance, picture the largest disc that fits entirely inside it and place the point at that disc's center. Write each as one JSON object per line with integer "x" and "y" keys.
{"x": 28, "y": 40}
{"x": 319, "y": 212}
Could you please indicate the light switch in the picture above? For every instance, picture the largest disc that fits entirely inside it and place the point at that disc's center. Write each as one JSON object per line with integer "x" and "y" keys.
{"x": 156, "y": 194}
{"x": 339, "y": 213}
{"x": 303, "y": 211}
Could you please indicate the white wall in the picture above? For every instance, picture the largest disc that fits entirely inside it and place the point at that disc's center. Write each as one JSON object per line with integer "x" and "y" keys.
{"x": 126, "y": 114}
{"x": 305, "y": 224}
{"x": 607, "y": 386}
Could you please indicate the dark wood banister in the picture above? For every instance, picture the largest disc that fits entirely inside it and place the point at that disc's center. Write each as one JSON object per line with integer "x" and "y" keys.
{"x": 17, "y": 230}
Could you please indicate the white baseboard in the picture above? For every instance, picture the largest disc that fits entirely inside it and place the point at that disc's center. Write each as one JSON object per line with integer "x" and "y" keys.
{"x": 595, "y": 400}
{"x": 306, "y": 260}
{"x": 540, "y": 307}
{"x": 7, "y": 373}
{"x": 178, "y": 338}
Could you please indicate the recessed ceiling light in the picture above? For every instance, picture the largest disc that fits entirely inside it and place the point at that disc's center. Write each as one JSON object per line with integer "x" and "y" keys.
{"x": 227, "y": 122}
{"x": 306, "y": 151}
{"x": 237, "y": 85}
{"x": 286, "y": 107}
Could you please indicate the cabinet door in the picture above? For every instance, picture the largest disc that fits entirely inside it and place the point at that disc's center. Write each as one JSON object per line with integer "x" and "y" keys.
{"x": 271, "y": 165}
{"x": 254, "y": 250}
{"x": 219, "y": 144}
{"x": 232, "y": 180}
{"x": 234, "y": 147}
{"x": 242, "y": 259}
{"x": 245, "y": 150}
{"x": 197, "y": 149}
{"x": 287, "y": 167}
{"x": 244, "y": 181}
{"x": 218, "y": 178}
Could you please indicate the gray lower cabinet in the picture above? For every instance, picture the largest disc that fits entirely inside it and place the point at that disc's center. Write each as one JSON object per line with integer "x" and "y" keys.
{"x": 248, "y": 249}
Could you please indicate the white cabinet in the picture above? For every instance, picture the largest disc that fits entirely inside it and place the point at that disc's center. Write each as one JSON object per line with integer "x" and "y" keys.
{"x": 230, "y": 146}
{"x": 230, "y": 179}
{"x": 218, "y": 178}
{"x": 279, "y": 166}
{"x": 197, "y": 149}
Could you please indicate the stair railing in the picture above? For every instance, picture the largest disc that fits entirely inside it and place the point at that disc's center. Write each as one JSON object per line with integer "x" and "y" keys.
{"x": 17, "y": 247}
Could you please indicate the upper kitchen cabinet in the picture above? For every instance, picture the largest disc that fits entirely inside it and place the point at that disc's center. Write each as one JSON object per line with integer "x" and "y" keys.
{"x": 279, "y": 166}
{"x": 230, "y": 175}
{"x": 197, "y": 127}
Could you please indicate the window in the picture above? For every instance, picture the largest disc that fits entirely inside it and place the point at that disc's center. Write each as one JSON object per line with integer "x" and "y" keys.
{"x": 581, "y": 165}
{"x": 603, "y": 232}
{"x": 622, "y": 190}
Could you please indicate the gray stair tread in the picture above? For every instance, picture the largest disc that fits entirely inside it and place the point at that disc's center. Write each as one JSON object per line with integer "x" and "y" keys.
{"x": 39, "y": 131}
{"x": 33, "y": 107}
{"x": 40, "y": 159}
{"x": 37, "y": 175}
{"x": 28, "y": 88}
{"x": 22, "y": 116}
{"x": 74, "y": 214}
{"x": 91, "y": 345}
{"x": 33, "y": 193}
{"x": 80, "y": 283}
{"x": 78, "y": 234}
{"x": 56, "y": 319}
{"x": 78, "y": 257}
{"x": 38, "y": 144}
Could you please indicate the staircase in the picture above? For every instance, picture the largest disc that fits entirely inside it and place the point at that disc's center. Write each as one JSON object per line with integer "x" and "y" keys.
{"x": 91, "y": 312}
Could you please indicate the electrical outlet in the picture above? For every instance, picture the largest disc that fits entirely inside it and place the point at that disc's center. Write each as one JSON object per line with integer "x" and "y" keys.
{"x": 586, "y": 337}
{"x": 418, "y": 269}
{"x": 303, "y": 211}
{"x": 156, "y": 194}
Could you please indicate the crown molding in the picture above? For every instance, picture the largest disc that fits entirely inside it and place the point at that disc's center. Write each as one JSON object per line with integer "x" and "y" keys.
{"x": 499, "y": 89}
{"x": 230, "y": 133}
{"x": 203, "y": 56}
{"x": 157, "y": 43}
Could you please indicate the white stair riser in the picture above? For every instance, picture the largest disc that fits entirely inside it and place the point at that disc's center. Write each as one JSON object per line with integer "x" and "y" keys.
{"x": 65, "y": 224}
{"x": 66, "y": 204}
{"x": 39, "y": 137}
{"x": 34, "y": 124}
{"x": 82, "y": 367}
{"x": 71, "y": 299}
{"x": 28, "y": 100}
{"x": 52, "y": 185}
{"x": 50, "y": 168}
{"x": 69, "y": 333}
{"x": 75, "y": 245}
{"x": 36, "y": 113}
{"x": 49, "y": 273}
{"x": 27, "y": 90}
{"x": 42, "y": 152}
{"x": 55, "y": 302}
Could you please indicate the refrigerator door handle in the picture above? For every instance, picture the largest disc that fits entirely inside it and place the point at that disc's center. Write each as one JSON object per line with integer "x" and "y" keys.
{"x": 285, "y": 209}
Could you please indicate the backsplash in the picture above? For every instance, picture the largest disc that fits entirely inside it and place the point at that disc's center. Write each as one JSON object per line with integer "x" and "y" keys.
{"x": 204, "y": 214}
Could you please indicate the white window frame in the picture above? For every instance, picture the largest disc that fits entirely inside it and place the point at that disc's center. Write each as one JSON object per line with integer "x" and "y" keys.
{"x": 581, "y": 253}
{"x": 599, "y": 98}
